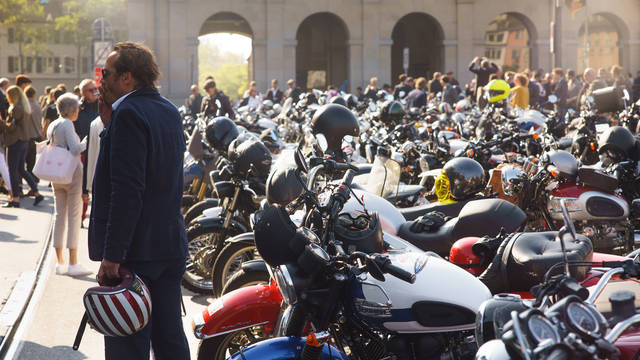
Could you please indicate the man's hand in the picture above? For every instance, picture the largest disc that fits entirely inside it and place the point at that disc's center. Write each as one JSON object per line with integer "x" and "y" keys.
{"x": 108, "y": 271}
{"x": 104, "y": 109}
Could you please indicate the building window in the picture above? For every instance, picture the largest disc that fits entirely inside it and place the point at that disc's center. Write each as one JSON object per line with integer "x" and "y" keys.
{"x": 56, "y": 65}
{"x": 29, "y": 65}
{"x": 512, "y": 41}
{"x": 12, "y": 35}
{"x": 39, "y": 64}
{"x": 85, "y": 65}
{"x": 12, "y": 64}
{"x": 69, "y": 64}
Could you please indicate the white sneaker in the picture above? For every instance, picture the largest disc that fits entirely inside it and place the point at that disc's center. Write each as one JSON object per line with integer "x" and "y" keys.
{"x": 60, "y": 269}
{"x": 78, "y": 270}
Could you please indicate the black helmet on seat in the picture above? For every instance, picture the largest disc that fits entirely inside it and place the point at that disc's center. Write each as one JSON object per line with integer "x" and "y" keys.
{"x": 391, "y": 113}
{"x": 617, "y": 141}
{"x": 466, "y": 177}
{"x": 334, "y": 122}
{"x": 220, "y": 132}
{"x": 284, "y": 186}
{"x": 360, "y": 232}
{"x": 251, "y": 155}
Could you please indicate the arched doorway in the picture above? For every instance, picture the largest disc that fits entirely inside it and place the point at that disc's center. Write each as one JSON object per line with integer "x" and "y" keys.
{"x": 322, "y": 55}
{"x": 602, "y": 48}
{"x": 508, "y": 42}
{"x": 225, "y": 52}
{"x": 422, "y": 35}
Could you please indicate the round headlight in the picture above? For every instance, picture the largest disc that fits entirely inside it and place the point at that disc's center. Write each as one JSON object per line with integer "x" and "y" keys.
{"x": 285, "y": 284}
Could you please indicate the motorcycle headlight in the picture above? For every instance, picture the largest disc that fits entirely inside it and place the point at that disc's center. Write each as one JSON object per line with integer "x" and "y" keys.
{"x": 572, "y": 204}
{"x": 285, "y": 285}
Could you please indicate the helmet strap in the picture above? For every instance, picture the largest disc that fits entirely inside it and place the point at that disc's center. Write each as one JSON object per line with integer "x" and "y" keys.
{"x": 83, "y": 325}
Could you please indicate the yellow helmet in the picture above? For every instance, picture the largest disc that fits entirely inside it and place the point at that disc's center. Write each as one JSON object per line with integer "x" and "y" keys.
{"x": 441, "y": 188}
{"x": 497, "y": 90}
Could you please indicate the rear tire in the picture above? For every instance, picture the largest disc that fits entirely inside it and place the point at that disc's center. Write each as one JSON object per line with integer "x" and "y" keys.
{"x": 228, "y": 262}
{"x": 243, "y": 278}
{"x": 196, "y": 210}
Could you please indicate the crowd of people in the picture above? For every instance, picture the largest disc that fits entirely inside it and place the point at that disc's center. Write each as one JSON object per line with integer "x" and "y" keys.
{"x": 62, "y": 118}
{"x": 528, "y": 88}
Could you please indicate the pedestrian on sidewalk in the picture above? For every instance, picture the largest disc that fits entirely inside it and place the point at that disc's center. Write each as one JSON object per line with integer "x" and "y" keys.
{"x": 136, "y": 220}
{"x": 15, "y": 128}
{"x": 68, "y": 197}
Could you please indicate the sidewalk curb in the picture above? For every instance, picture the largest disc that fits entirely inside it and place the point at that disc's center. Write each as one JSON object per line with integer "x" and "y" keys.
{"x": 30, "y": 284}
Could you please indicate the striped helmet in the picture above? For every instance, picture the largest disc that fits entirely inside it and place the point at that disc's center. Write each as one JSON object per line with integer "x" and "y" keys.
{"x": 119, "y": 310}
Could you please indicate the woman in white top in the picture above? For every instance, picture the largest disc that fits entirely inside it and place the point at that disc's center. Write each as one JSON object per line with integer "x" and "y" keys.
{"x": 68, "y": 197}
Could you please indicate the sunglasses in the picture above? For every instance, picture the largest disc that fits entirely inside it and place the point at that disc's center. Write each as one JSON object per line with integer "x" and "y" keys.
{"x": 105, "y": 73}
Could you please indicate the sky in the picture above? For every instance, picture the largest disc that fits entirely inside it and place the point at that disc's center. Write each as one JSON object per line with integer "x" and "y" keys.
{"x": 226, "y": 42}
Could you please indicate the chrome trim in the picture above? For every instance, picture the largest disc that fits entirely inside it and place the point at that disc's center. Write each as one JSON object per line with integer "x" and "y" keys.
{"x": 202, "y": 336}
{"x": 312, "y": 175}
{"x": 602, "y": 283}
{"x": 621, "y": 327}
{"x": 283, "y": 321}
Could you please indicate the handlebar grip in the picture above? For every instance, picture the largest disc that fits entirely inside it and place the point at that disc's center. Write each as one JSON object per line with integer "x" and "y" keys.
{"x": 400, "y": 273}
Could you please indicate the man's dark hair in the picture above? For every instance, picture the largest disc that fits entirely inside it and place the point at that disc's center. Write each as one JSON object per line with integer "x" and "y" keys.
{"x": 558, "y": 71}
{"x": 209, "y": 84}
{"x": 402, "y": 77}
{"x": 30, "y": 91}
{"x": 138, "y": 60}
{"x": 22, "y": 79}
{"x": 47, "y": 89}
{"x": 444, "y": 79}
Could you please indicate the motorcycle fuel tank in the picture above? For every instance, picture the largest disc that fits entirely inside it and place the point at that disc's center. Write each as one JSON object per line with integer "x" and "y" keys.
{"x": 587, "y": 204}
{"x": 390, "y": 216}
{"x": 443, "y": 298}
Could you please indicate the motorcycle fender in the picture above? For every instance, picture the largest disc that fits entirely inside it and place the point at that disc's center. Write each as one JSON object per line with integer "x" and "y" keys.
{"x": 212, "y": 212}
{"x": 215, "y": 222}
{"x": 246, "y": 238}
{"x": 240, "y": 309}
{"x": 282, "y": 348}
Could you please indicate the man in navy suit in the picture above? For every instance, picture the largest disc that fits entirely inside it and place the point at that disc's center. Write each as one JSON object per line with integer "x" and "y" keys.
{"x": 136, "y": 220}
{"x": 4, "y": 103}
{"x": 274, "y": 94}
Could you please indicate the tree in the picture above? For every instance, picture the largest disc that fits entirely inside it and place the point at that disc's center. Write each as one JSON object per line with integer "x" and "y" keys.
{"x": 26, "y": 19}
{"x": 78, "y": 19}
{"x": 228, "y": 69}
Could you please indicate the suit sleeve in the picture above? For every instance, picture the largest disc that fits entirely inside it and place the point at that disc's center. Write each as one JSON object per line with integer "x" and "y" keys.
{"x": 128, "y": 157}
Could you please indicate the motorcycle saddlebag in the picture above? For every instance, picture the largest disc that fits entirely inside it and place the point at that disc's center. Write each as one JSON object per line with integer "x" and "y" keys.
{"x": 532, "y": 254}
{"x": 595, "y": 178}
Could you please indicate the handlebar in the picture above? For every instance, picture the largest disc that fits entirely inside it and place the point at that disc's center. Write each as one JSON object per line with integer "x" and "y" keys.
{"x": 387, "y": 267}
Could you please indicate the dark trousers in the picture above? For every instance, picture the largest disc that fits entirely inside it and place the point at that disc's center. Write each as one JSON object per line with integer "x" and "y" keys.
{"x": 31, "y": 158}
{"x": 164, "y": 332}
{"x": 16, "y": 157}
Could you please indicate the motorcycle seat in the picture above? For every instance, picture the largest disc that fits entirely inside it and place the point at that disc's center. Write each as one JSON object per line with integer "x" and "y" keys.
{"x": 414, "y": 212}
{"x": 438, "y": 241}
{"x": 533, "y": 254}
{"x": 405, "y": 191}
{"x": 476, "y": 218}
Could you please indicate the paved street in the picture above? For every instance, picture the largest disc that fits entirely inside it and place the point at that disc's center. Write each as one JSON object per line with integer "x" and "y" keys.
{"x": 51, "y": 322}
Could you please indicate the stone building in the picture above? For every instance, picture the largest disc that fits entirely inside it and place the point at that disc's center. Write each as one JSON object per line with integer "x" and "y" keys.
{"x": 333, "y": 41}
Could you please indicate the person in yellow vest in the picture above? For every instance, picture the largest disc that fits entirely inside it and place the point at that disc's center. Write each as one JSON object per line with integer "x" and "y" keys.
{"x": 520, "y": 97}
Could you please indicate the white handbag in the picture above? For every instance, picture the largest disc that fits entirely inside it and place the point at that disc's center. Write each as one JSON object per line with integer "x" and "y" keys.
{"x": 55, "y": 164}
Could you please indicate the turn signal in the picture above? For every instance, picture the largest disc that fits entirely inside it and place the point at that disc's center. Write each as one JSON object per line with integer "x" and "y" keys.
{"x": 312, "y": 340}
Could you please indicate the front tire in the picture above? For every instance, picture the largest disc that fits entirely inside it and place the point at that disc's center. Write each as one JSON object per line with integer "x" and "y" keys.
{"x": 204, "y": 244}
{"x": 245, "y": 278}
{"x": 228, "y": 262}
{"x": 223, "y": 346}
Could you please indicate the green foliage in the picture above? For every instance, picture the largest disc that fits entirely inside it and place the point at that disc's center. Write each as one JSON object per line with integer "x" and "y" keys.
{"x": 26, "y": 18}
{"x": 229, "y": 70}
{"x": 80, "y": 15}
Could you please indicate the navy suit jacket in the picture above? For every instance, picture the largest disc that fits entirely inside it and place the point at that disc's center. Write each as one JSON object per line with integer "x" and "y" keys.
{"x": 138, "y": 184}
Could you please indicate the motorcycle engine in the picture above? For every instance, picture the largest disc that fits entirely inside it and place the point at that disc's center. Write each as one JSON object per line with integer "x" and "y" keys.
{"x": 459, "y": 345}
{"x": 606, "y": 237}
